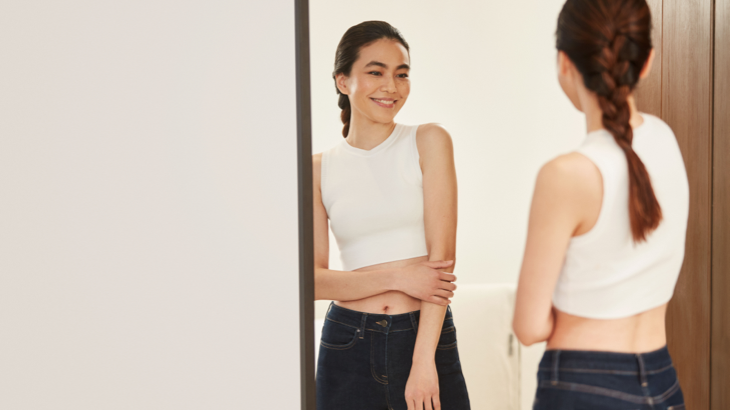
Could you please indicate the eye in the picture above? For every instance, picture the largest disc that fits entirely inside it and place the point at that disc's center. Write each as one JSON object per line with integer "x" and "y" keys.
{"x": 374, "y": 72}
{"x": 403, "y": 75}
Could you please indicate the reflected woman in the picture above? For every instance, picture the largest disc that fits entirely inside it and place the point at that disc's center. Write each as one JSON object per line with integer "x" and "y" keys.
{"x": 389, "y": 193}
{"x": 607, "y": 227}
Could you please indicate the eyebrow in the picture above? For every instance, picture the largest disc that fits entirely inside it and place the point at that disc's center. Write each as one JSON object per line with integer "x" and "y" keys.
{"x": 379, "y": 64}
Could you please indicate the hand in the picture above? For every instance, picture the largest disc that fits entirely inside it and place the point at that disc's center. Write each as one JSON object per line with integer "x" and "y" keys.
{"x": 425, "y": 282}
{"x": 422, "y": 387}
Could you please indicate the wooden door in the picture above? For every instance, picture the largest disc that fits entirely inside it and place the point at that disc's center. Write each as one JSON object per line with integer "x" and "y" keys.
{"x": 688, "y": 89}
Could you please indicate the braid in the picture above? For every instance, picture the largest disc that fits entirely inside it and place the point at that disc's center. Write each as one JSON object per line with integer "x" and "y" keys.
{"x": 619, "y": 31}
{"x": 616, "y": 116}
{"x": 344, "y": 104}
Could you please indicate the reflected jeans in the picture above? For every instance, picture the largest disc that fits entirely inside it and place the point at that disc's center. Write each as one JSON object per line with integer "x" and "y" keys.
{"x": 569, "y": 379}
{"x": 365, "y": 360}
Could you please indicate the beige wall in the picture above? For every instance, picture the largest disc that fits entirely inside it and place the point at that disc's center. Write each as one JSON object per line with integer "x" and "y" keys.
{"x": 145, "y": 261}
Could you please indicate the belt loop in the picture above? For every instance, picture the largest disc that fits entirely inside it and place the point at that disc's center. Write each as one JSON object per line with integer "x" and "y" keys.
{"x": 362, "y": 325}
{"x": 329, "y": 308}
{"x": 556, "y": 364}
{"x": 414, "y": 322}
{"x": 642, "y": 371}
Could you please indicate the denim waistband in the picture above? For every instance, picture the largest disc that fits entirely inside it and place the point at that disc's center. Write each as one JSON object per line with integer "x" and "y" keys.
{"x": 650, "y": 362}
{"x": 641, "y": 364}
{"x": 376, "y": 322}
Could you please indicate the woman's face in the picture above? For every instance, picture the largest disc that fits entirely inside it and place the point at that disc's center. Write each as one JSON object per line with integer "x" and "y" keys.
{"x": 378, "y": 84}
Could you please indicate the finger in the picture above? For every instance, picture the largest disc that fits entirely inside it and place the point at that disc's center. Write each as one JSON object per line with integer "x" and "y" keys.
{"x": 411, "y": 404}
{"x": 446, "y": 276}
{"x": 427, "y": 404}
{"x": 436, "y": 402}
{"x": 438, "y": 301}
{"x": 439, "y": 264}
{"x": 444, "y": 294}
{"x": 450, "y": 277}
{"x": 447, "y": 286}
{"x": 419, "y": 403}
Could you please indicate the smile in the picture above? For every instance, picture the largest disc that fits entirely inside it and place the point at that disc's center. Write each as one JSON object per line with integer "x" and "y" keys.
{"x": 384, "y": 103}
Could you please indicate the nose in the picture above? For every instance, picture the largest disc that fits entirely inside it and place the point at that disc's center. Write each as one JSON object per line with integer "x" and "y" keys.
{"x": 389, "y": 85}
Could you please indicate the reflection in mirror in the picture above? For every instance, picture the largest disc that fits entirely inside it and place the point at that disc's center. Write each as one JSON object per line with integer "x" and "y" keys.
{"x": 485, "y": 72}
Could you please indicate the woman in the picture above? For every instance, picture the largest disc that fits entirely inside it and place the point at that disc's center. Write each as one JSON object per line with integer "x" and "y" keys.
{"x": 389, "y": 192}
{"x": 607, "y": 227}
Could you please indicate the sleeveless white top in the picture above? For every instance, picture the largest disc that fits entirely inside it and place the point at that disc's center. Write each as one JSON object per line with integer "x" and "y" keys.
{"x": 605, "y": 274}
{"x": 374, "y": 200}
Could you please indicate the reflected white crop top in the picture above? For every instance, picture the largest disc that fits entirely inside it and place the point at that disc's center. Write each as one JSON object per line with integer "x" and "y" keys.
{"x": 605, "y": 275}
{"x": 374, "y": 200}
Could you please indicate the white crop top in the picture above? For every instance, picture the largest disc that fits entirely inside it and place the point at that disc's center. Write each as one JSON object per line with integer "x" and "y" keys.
{"x": 605, "y": 274}
{"x": 374, "y": 200}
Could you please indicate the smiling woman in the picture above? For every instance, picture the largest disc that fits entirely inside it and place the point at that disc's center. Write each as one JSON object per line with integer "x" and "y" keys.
{"x": 389, "y": 192}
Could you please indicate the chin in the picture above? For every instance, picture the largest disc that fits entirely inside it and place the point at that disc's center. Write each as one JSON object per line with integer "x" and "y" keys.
{"x": 383, "y": 118}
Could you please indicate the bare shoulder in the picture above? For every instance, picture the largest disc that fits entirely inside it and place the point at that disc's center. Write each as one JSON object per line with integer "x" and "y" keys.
{"x": 433, "y": 140}
{"x": 432, "y": 134}
{"x": 571, "y": 165}
{"x": 571, "y": 175}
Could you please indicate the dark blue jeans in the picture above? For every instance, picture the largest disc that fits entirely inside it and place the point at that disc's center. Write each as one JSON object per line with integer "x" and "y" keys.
{"x": 569, "y": 379}
{"x": 365, "y": 359}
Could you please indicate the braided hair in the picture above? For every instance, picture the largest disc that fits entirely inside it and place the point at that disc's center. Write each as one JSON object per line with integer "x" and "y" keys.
{"x": 609, "y": 41}
{"x": 348, "y": 51}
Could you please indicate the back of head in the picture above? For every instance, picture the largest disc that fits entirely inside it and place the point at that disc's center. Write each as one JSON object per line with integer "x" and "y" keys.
{"x": 348, "y": 51}
{"x": 609, "y": 42}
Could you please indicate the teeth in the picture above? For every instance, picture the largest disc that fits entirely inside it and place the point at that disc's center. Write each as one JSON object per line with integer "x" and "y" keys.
{"x": 384, "y": 102}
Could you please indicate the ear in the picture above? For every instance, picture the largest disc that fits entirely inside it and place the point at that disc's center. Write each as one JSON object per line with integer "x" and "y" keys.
{"x": 647, "y": 66}
{"x": 341, "y": 81}
{"x": 563, "y": 62}
{"x": 566, "y": 68}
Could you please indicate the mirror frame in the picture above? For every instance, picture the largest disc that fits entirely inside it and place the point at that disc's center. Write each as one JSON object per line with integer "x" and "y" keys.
{"x": 306, "y": 211}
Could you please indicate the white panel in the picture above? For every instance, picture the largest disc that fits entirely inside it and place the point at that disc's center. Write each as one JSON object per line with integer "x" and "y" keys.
{"x": 148, "y": 205}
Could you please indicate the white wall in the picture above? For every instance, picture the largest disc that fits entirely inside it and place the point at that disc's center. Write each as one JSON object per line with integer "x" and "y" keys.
{"x": 486, "y": 71}
{"x": 148, "y": 205}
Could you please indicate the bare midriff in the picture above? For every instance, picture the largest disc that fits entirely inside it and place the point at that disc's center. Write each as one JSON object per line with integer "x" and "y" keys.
{"x": 390, "y": 303}
{"x": 641, "y": 333}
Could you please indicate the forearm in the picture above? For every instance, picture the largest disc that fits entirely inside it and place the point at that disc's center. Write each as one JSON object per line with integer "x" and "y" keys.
{"x": 346, "y": 286}
{"x": 429, "y": 330}
{"x": 430, "y": 322}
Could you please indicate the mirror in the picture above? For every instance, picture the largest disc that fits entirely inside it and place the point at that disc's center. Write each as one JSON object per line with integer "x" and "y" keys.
{"x": 486, "y": 71}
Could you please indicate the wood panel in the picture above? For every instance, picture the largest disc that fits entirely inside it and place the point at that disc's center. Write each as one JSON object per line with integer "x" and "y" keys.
{"x": 720, "y": 355}
{"x": 687, "y": 108}
{"x": 649, "y": 92}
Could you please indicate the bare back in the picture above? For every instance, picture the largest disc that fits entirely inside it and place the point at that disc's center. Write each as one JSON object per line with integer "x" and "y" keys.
{"x": 641, "y": 333}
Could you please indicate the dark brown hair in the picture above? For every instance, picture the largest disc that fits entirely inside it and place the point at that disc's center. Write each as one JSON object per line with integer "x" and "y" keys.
{"x": 348, "y": 51}
{"x": 609, "y": 41}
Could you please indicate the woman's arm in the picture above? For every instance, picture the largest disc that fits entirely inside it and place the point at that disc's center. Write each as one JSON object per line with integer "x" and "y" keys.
{"x": 566, "y": 203}
{"x": 424, "y": 281}
{"x": 440, "y": 208}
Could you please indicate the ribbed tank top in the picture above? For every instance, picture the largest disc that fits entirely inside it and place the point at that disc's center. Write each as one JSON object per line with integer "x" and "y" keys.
{"x": 374, "y": 200}
{"x": 605, "y": 274}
